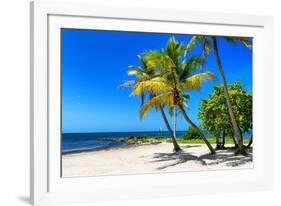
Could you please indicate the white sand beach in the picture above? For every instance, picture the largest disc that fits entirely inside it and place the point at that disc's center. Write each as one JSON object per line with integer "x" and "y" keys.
{"x": 150, "y": 159}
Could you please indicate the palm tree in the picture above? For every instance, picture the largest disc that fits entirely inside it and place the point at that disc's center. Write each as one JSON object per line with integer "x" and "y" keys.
{"x": 250, "y": 142}
{"x": 175, "y": 121}
{"x": 176, "y": 77}
{"x": 174, "y": 113}
{"x": 210, "y": 44}
{"x": 143, "y": 74}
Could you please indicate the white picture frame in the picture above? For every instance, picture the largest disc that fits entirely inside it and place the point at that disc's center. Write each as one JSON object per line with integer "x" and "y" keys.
{"x": 46, "y": 184}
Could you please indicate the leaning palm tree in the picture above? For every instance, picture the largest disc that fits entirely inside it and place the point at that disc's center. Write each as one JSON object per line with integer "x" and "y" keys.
{"x": 209, "y": 44}
{"x": 143, "y": 74}
{"x": 174, "y": 113}
{"x": 177, "y": 75}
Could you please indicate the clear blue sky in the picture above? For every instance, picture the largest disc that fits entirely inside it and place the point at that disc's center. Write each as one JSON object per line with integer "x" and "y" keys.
{"x": 95, "y": 63}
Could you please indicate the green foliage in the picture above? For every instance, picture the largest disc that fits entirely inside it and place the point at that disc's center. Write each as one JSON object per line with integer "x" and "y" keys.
{"x": 201, "y": 141}
{"x": 165, "y": 75}
{"x": 214, "y": 113}
{"x": 142, "y": 137}
{"x": 159, "y": 137}
{"x": 190, "y": 134}
{"x": 206, "y": 43}
{"x": 131, "y": 137}
{"x": 175, "y": 74}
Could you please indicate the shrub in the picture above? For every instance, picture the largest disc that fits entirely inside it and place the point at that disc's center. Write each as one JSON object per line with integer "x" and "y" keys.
{"x": 131, "y": 137}
{"x": 159, "y": 137}
{"x": 142, "y": 137}
{"x": 191, "y": 133}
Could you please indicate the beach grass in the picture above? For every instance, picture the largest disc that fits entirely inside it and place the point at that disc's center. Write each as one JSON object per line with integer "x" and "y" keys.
{"x": 197, "y": 141}
{"x": 159, "y": 139}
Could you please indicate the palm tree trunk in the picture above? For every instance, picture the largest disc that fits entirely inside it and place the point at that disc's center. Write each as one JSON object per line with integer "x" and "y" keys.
{"x": 217, "y": 143}
{"x": 176, "y": 146}
{"x": 242, "y": 140}
{"x": 223, "y": 139}
{"x": 234, "y": 141}
{"x": 250, "y": 143}
{"x": 198, "y": 130}
{"x": 175, "y": 122}
{"x": 236, "y": 130}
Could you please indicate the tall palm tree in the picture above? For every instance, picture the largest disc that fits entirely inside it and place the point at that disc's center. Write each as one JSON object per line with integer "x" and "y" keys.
{"x": 209, "y": 44}
{"x": 175, "y": 121}
{"x": 176, "y": 77}
{"x": 174, "y": 113}
{"x": 143, "y": 74}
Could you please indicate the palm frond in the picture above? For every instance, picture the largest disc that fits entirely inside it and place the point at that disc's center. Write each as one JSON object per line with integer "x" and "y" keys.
{"x": 190, "y": 45}
{"x": 165, "y": 99}
{"x": 158, "y": 59}
{"x": 247, "y": 41}
{"x": 205, "y": 42}
{"x": 174, "y": 50}
{"x": 154, "y": 86}
{"x": 189, "y": 66}
{"x": 132, "y": 72}
{"x": 195, "y": 81}
{"x": 138, "y": 69}
{"x": 139, "y": 72}
{"x": 127, "y": 84}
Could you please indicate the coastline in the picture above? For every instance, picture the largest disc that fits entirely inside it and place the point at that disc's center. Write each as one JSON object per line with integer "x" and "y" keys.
{"x": 104, "y": 143}
{"x": 100, "y": 149}
{"x": 128, "y": 143}
{"x": 150, "y": 158}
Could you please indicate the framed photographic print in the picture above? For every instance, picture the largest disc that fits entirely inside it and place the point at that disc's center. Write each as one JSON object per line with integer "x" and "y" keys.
{"x": 143, "y": 103}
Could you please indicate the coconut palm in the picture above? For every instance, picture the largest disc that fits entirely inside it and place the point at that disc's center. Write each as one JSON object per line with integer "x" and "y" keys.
{"x": 143, "y": 74}
{"x": 209, "y": 44}
{"x": 175, "y": 111}
{"x": 175, "y": 115}
{"x": 177, "y": 75}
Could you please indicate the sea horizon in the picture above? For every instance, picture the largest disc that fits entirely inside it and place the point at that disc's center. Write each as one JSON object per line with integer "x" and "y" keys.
{"x": 149, "y": 131}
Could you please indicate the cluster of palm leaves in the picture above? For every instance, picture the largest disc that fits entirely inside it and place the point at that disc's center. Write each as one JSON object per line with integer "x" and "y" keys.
{"x": 165, "y": 76}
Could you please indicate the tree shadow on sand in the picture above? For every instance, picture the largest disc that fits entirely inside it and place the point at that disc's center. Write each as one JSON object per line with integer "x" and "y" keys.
{"x": 225, "y": 157}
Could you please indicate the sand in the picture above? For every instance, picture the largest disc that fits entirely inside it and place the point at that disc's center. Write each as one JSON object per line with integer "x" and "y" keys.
{"x": 150, "y": 159}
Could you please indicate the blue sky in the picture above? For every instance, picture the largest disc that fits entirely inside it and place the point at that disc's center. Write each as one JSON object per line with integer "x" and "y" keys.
{"x": 95, "y": 63}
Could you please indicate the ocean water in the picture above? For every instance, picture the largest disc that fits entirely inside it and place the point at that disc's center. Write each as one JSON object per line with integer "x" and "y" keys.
{"x": 82, "y": 142}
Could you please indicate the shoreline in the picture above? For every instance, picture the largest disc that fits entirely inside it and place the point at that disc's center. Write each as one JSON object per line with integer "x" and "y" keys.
{"x": 157, "y": 158}
{"x": 140, "y": 142}
{"x": 130, "y": 143}
{"x": 101, "y": 149}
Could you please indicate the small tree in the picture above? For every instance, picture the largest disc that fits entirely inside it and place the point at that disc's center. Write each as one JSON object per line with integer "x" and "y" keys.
{"x": 191, "y": 133}
{"x": 215, "y": 117}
